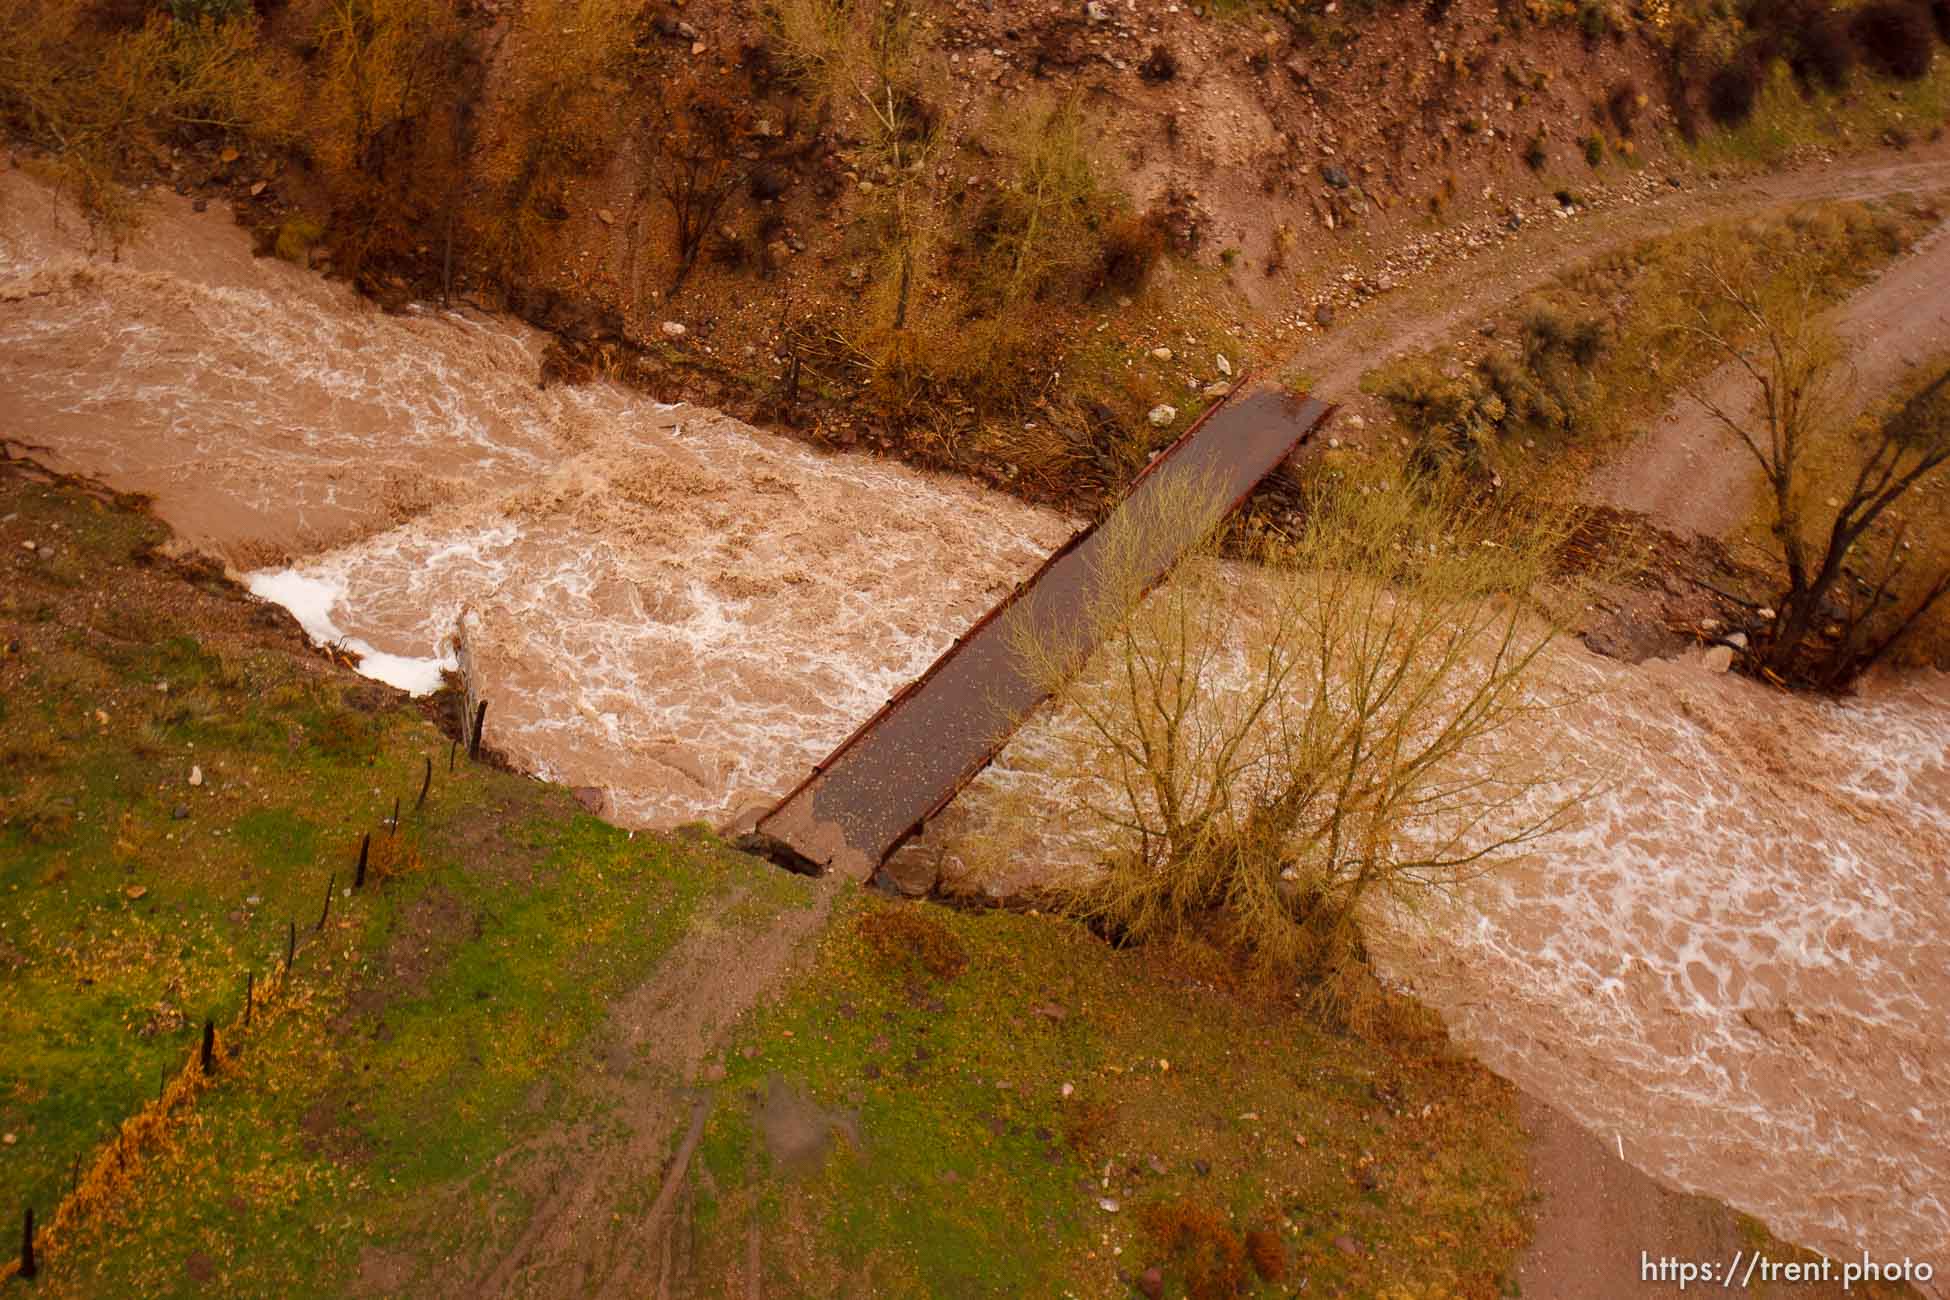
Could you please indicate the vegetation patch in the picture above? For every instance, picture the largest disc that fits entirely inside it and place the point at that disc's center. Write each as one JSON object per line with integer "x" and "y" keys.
{"x": 1029, "y": 1127}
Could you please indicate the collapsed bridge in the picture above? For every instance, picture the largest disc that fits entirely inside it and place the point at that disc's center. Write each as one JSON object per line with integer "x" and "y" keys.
{"x": 906, "y": 762}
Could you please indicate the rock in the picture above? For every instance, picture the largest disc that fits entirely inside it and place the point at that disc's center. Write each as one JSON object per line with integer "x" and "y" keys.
{"x": 1159, "y": 66}
{"x": 1718, "y": 659}
{"x": 196, "y": 775}
{"x": 1336, "y": 176}
{"x": 257, "y": 187}
{"x": 1324, "y": 315}
{"x": 1161, "y": 415}
{"x": 1347, "y": 1245}
{"x": 1161, "y": 354}
{"x": 135, "y": 891}
{"x": 911, "y": 875}
{"x": 199, "y": 204}
{"x": 590, "y": 797}
{"x": 1068, "y": 1088}
{"x": 1225, "y": 366}
{"x": 1108, "y": 1205}
{"x": 1152, "y": 1282}
{"x": 1764, "y": 612}
{"x": 1096, "y": 12}
{"x": 28, "y": 546}
{"x": 228, "y": 155}
{"x": 181, "y": 812}
{"x": 672, "y": 330}
{"x": 777, "y": 254}
{"x": 605, "y": 216}
{"x": 1738, "y": 640}
{"x": 1355, "y": 422}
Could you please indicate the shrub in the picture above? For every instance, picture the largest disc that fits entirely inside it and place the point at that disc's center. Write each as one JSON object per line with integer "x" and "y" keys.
{"x": 1594, "y": 149}
{"x": 1820, "y": 47}
{"x": 1132, "y": 245}
{"x": 1940, "y": 10}
{"x": 1623, "y": 106}
{"x": 1268, "y": 1253}
{"x": 1202, "y": 1244}
{"x": 1535, "y": 155}
{"x": 901, "y": 935}
{"x": 1731, "y": 92}
{"x": 1895, "y": 37}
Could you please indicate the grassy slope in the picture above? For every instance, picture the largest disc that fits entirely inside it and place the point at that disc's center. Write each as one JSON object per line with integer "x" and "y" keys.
{"x": 447, "y": 1045}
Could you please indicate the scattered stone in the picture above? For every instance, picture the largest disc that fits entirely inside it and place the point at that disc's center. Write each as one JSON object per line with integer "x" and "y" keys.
{"x": 1355, "y": 422}
{"x": 1049, "y": 1011}
{"x": 196, "y": 775}
{"x": 1161, "y": 415}
{"x": 1347, "y": 1245}
{"x": 1152, "y": 1282}
{"x": 257, "y": 187}
{"x": 1160, "y": 354}
{"x": 1108, "y": 1205}
{"x": 181, "y": 812}
{"x": 1068, "y": 1089}
{"x": 911, "y": 875}
{"x": 1765, "y": 612}
{"x": 133, "y": 892}
{"x": 28, "y": 546}
{"x": 1225, "y": 365}
{"x": 605, "y": 216}
{"x": 672, "y": 330}
{"x": 1738, "y": 640}
{"x": 1718, "y": 659}
{"x": 1324, "y": 315}
{"x": 1335, "y": 175}
{"x": 590, "y": 797}
{"x": 1202, "y": 1167}
{"x": 228, "y": 155}
{"x": 9, "y": 1139}
{"x": 1334, "y": 444}
{"x": 1096, "y": 12}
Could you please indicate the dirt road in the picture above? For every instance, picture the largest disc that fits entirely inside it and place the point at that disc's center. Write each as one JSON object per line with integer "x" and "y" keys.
{"x": 1437, "y": 304}
{"x": 1693, "y": 476}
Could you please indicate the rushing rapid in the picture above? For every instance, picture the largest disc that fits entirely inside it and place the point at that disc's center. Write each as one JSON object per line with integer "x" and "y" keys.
{"x": 1734, "y": 962}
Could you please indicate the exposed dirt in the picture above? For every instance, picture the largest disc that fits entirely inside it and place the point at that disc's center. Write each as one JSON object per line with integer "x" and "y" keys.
{"x": 1692, "y": 475}
{"x": 573, "y": 1243}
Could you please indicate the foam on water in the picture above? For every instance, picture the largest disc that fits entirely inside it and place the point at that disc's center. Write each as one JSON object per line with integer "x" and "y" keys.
{"x": 1735, "y": 960}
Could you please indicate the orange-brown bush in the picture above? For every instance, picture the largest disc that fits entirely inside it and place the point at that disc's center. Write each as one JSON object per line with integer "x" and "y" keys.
{"x": 904, "y": 935}
{"x": 1201, "y": 1244}
{"x": 1267, "y": 1252}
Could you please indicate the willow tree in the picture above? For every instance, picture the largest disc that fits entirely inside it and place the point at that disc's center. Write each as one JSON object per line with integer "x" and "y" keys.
{"x": 1278, "y": 741}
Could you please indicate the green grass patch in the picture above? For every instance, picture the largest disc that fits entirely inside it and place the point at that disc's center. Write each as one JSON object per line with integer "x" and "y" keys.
{"x": 1789, "y": 120}
{"x": 977, "y": 1112}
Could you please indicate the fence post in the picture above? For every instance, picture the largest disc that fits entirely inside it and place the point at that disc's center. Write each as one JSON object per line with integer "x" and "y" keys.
{"x": 250, "y": 991}
{"x": 395, "y": 829}
{"x": 474, "y": 741}
{"x": 330, "y": 885}
{"x": 365, "y": 847}
{"x": 425, "y": 785}
{"x": 209, "y": 1044}
{"x": 27, "y": 1266}
{"x": 290, "y": 946}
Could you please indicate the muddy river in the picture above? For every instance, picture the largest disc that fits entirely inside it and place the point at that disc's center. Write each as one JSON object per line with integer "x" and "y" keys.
{"x": 1735, "y": 964}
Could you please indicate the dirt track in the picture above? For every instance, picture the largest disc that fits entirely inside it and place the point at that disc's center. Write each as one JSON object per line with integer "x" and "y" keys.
{"x": 1693, "y": 476}
{"x": 1437, "y": 304}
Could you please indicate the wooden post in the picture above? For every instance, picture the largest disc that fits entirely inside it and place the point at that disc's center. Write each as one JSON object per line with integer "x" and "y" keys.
{"x": 330, "y": 885}
{"x": 474, "y": 741}
{"x": 27, "y": 1266}
{"x": 365, "y": 847}
{"x": 209, "y": 1044}
{"x": 395, "y": 814}
{"x": 290, "y": 946}
{"x": 426, "y": 784}
{"x": 250, "y": 993}
{"x": 452, "y": 750}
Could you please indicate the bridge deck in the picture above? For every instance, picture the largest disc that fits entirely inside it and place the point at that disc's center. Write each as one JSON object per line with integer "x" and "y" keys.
{"x": 907, "y": 761}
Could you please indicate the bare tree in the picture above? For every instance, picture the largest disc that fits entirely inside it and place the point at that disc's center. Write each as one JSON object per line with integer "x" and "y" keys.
{"x": 696, "y": 168}
{"x": 1830, "y": 623}
{"x": 1274, "y": 744}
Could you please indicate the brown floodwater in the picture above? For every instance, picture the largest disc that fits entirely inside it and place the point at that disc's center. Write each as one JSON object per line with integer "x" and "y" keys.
{"x": 1733, "y": 965}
